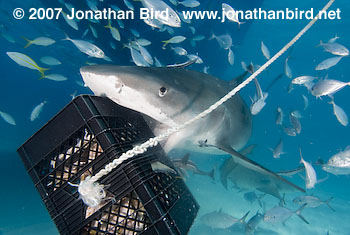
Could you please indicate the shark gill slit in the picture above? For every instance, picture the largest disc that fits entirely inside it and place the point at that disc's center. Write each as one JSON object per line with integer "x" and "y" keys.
{"x": 90, "y": 190}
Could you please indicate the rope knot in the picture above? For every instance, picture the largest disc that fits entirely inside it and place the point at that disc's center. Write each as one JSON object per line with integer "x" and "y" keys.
{"x": 92, "y": 193}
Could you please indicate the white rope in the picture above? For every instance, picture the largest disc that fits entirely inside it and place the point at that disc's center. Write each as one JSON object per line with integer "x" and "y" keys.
{"x": 92, "y": 193}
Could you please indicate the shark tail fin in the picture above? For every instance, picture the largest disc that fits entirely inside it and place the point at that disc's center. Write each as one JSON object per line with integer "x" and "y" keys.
{"x": 242, "y": 220}
{"x": 298, "y": 213}
{"x": 327, "y": 203}
{"x": 29, "y": 42}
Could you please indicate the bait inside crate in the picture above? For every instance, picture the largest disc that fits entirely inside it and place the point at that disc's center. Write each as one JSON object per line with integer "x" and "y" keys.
{"x": 78, "y": 142}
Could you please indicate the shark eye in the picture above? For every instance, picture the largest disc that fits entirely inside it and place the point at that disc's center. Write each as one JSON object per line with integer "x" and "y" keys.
{"x": 162, "y": 91}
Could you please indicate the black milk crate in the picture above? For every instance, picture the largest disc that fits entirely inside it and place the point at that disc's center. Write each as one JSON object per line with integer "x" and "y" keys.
{"x": 79, "y": 141}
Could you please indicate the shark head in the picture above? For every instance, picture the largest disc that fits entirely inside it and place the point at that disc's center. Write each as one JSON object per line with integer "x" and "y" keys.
{"x": 155, "y": 94}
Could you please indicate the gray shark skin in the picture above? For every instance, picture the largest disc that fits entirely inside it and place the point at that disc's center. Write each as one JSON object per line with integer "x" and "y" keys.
{"x": 172, "y": 96}
{"x": 187, "y": 94}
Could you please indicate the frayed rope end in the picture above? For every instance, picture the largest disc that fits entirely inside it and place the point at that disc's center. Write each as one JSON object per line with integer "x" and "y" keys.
{"x": 91, "y": 192}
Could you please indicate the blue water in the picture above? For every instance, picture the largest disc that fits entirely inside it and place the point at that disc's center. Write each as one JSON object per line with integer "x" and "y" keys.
{"x": 322, "y": 135}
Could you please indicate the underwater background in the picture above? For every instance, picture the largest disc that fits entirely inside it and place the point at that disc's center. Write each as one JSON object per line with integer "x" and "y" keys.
{"x": 321, "y": 136}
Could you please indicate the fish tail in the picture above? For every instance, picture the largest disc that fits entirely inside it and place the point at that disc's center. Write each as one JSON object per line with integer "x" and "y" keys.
{"x": 321, "y": 43}
{"x": 242, "y": 220}
{"x": 29, "y": 42}
{"x": 239, "y": 24}
{"x": 212, "y": 36}
{"x": 298, "y": 213}
{"x": 327, "y": 203}
{"x": 301, "y": 156}
{"x": 165, "y": 43}
{"x": 42, "y": 72}
{"x": 193, "y": 43}
{"x": 108, "y": 26}
{"x": 67, "y": 37}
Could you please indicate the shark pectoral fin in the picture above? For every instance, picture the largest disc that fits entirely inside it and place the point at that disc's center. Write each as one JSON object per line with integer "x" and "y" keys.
{"x": 247, "y": 163}
{"x": 185, "y": 159}
{"x": 226, "y": 169}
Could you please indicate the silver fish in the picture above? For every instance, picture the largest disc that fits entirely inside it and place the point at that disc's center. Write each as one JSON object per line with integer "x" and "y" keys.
{"x": 312, "y": 201}
{"x": 87, "y": 48}
{"x": 146, "y": 55}
{"x": 174, "y": 40}
{"x": 287, "y": 69}
{"x": 179, "y": 50}
{"x": 8, "y": 118}
{"x": 56, "y": 77}
{"x": 137, "y": 58}
{"x": 171, "y": 19}
{"x": 279, "y": 116}
{"x": 189, "y": 3}
{"x": 258, "y": 103}
{"x": 253, "y": 223}
{"x": 278, "y": 150}
{"x": 41, "y": 41}
{"x": 49, "y": 60}
{"x": 221, "y": 220}
{"x": 36, "y": 111}
{"x": 227, "y": 8}
{"x": 310, "y": 173}
{"x": 339, "y": 164}
{"x": 265, "y": 51}
{"x": 252, "y": 197}
{"x": 225, "y": 41}
{"x": 184, "y": 164}
{"x": 332, "y": 40}
{"x": 328, "y": 63}
{"x": 340, "y": 114}
{"x": 230, "y": 57}
{"x": 328, "y": 87}
{"x": 290, "y": 131}
{"x": 303, "y": 79}
{"x": 129, "y": 5}
{"x": 143, "y": 42}
{"x": 306, "y": 102}
{"x": 335, "y": 48}
{"x": 280, "y": 214}
{"x": 295, "y": 123}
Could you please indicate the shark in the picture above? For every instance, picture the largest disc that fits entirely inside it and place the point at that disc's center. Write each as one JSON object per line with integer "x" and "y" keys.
{"x": 169, "y": 96}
